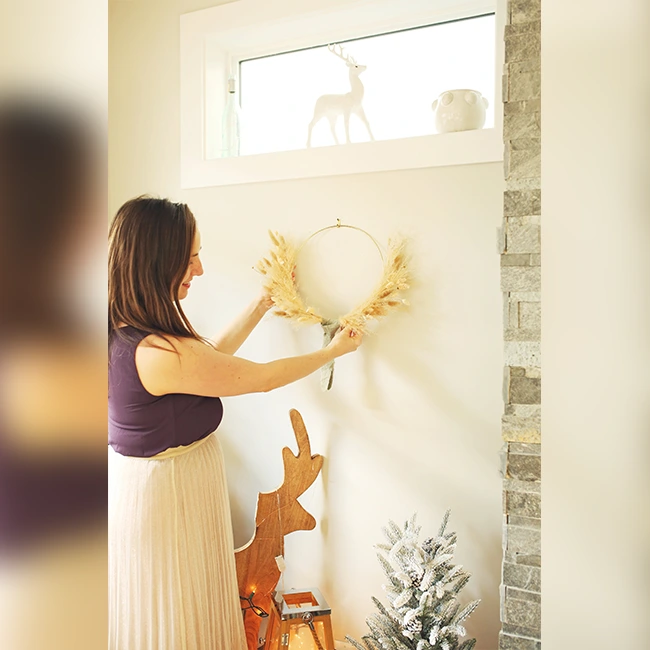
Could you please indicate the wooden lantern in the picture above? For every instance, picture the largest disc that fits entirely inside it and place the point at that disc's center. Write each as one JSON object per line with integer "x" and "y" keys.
{"x": 299, "y": 620}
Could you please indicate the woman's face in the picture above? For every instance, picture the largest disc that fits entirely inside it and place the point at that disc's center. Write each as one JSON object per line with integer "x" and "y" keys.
{"x": 195, "y": 267}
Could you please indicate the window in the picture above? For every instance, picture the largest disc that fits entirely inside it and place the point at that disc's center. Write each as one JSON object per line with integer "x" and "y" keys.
{"x": 405, "y": 72}
{"x": 412, "y": 49}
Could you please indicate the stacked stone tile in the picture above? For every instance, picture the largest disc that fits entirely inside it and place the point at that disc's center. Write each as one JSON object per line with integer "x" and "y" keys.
{"x": 521, "y": 286}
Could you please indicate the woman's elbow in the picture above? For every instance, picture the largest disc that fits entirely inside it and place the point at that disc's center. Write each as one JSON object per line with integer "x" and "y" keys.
{"x": 268, "y": 381}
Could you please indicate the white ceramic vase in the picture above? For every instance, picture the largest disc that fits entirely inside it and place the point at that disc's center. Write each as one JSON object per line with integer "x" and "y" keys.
{"x": 459, "y": 110}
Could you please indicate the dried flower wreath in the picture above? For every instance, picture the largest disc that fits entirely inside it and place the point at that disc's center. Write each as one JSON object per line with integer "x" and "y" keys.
{"x": 281, "y": 284}
{"x": 279, "y": 269}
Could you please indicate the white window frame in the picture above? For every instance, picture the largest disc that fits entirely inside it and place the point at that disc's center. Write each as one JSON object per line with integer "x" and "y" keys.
{"x": 214, "y": 40}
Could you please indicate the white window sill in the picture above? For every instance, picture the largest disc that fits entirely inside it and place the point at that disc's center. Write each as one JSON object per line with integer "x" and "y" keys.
{"x": 446, "y": 149}
{"x": 211, "y": 39}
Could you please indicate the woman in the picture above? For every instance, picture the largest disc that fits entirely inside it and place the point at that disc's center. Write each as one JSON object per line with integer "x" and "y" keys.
{"x": 173, "y": 584}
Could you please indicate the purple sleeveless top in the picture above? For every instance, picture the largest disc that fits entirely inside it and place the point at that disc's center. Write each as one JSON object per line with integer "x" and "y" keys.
{"x": 142, "y": 424}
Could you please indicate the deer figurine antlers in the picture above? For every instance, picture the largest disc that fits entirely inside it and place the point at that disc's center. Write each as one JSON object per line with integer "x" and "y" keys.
{"x": 331, "y": 106}
{"x": 278, "y": 514}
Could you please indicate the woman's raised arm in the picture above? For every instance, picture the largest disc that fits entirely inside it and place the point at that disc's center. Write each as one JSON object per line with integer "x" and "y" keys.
{"x": 232, "y": 338}
{"x": 199, "y": 369}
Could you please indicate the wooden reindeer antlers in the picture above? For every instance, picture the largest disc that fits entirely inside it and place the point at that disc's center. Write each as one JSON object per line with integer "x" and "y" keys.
{"x": 300, "y": 471}
{"x": 278, "y": 513}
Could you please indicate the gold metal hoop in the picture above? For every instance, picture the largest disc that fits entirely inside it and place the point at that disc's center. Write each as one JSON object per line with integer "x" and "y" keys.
{"x": 338, "y": 224}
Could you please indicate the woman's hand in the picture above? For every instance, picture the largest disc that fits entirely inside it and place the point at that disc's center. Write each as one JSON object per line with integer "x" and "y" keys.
{"x": 346, "y": 340}
{"x": 264, "y": 303}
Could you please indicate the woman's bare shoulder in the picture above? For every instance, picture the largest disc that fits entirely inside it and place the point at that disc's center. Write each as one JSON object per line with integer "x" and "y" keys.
{"x": 178, "y": 344}
{"x": 165, "y": 363}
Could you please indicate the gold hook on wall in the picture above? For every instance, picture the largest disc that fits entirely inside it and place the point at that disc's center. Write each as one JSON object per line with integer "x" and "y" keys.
{"x": 343, "y": 225}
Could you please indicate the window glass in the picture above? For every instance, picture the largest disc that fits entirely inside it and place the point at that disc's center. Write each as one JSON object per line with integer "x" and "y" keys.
{"x": 404, "y": 73}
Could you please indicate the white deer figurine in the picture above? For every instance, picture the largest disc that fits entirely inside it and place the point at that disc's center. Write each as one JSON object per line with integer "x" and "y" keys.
{"x": 331, "y": 106}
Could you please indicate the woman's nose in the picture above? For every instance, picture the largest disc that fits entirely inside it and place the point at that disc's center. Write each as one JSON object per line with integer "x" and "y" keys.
{"x": 198, "y": 268}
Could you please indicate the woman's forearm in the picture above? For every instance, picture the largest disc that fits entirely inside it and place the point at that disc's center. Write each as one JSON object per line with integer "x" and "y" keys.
{"x": 232, "y": 338}
{"x": 285, "y": 371}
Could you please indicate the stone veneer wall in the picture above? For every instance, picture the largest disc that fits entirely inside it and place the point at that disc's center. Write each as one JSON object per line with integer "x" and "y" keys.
{"x": 520, "y": 283}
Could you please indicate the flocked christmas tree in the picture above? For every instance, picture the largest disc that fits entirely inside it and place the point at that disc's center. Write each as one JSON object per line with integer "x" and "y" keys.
{"x": 424, "y": 612}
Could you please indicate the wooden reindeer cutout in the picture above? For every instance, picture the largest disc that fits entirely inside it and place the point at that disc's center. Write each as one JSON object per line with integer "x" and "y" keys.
{"x": 278, "y": 514}
{"x": 331, "y": 106}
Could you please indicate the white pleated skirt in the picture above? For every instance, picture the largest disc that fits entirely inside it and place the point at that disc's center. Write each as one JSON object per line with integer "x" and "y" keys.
{"x": 172, "y": 577}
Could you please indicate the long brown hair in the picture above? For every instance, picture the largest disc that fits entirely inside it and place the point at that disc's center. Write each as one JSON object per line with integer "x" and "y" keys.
{"x": 150, "y": 246}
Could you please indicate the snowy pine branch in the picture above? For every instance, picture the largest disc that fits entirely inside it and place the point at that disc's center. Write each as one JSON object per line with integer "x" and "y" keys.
{"x": 358, "y": 646}
{"x": 467, "y": 645}
{"x": 467, "y": 611}
{"x": 445, "y": 521}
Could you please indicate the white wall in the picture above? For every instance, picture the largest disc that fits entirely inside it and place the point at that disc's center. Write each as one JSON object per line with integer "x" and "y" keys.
{"x": 596, "y": 348}
{"x": 413, "y": 420}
